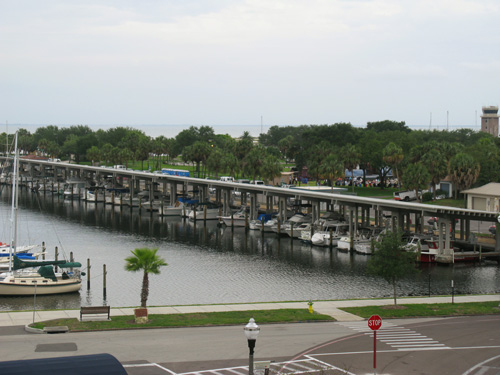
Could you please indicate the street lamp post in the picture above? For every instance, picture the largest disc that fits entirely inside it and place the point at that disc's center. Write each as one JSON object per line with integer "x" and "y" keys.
{"x": 251, "y": 332}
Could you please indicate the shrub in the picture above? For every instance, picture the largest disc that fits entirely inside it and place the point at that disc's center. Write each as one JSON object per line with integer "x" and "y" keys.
{"x": 427, "y": 197}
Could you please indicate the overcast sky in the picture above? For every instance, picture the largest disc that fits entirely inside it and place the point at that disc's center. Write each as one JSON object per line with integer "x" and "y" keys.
{"x": 222, "y": 62}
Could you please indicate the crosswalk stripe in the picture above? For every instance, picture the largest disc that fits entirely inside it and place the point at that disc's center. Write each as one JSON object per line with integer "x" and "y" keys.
{"x": 395, "y": 336}
{"x": 234, "y": 371}
{"x": 417, "y": 345}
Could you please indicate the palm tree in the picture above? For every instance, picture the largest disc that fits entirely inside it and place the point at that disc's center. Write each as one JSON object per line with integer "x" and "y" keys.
{"x": 393, "y": 156}
{"x": 285, "y": 145}
{"x": 42, "y": 146}
{"x": 351, "y": 158}
{"x": 93, "y": 154}
{"x": 271, "y": 168}
{"x": 145, "y": 260}
{"x": 332, "y": 168}
{"x": 107, "y": 152}
{"x": 230, "y": 163}
{"x": 437, "y": 166}
{"x": 416, "y": 177}
{"x": 252, "y": 162}
{"x": 464, "y": 170}
{"x": 215, "y": 161}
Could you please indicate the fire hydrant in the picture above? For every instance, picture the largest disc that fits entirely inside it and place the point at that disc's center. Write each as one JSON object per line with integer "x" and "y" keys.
{"x": 310, "y": 306}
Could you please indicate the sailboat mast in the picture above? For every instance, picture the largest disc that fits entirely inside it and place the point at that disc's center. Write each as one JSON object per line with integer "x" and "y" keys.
{"x": 13, "y": 218}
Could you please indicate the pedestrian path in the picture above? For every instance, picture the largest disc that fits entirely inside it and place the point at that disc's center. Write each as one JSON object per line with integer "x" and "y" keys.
{"x": 301, "y": 366}
{"x": 398, "y": 337}
{"x": 331, "y": 308}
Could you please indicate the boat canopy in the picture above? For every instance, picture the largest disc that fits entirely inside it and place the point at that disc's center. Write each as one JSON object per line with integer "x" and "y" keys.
{"x": 47, "y": 272}
{"x": 70, "y": 265}
{"x": 21, "y": 263}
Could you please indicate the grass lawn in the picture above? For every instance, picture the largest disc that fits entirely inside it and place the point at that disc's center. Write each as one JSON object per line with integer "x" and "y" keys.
{"x": 189, "y": 320}
{"x": 437, "y": 309}
{"x": 372, "y": 191}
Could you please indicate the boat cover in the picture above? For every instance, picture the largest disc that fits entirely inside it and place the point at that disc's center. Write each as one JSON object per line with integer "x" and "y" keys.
{"x": 20, "y": 263}
{"x": 95, "y": 364}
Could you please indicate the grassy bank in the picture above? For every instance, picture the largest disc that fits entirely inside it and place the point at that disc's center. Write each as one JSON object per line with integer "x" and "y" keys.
{"x": 189, "y": 320}
{"x": 426, "y": 310}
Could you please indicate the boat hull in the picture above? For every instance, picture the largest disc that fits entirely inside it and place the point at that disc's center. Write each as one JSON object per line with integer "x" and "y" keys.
{"x": 20, "y": 287}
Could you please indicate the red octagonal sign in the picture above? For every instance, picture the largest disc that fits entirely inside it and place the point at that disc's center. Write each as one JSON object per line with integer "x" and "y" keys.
{"x": 375, "y": 322}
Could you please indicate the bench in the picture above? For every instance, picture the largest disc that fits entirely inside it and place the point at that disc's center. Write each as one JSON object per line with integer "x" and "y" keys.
{"x": 95, "y": 310}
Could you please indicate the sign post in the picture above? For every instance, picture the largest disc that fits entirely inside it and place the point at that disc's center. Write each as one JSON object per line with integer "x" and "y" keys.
{"x": 374, "y": 323}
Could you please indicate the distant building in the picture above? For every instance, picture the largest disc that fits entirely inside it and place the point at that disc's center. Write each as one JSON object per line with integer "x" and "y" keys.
{"x": 489, "y": 120}
{"x": 485, "y": 198}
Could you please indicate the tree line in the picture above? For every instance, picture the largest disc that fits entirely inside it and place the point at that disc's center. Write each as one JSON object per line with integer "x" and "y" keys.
{"x": 416, "y": 158}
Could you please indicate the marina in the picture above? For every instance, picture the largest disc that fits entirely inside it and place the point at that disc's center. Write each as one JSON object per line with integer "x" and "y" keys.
{"x": 209, "y": 263}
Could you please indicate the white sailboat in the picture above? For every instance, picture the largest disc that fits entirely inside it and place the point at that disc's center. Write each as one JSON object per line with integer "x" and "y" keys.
{"x": 27, "y": 277}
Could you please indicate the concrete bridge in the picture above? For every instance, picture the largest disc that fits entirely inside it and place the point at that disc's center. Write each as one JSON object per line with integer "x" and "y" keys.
{"x": 359, "y": 211}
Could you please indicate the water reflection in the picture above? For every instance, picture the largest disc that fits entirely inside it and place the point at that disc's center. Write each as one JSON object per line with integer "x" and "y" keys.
{"x": 208, "y": 263}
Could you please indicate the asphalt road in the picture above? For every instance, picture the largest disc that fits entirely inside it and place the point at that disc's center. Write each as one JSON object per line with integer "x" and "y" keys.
{"x": 465, "y": 345}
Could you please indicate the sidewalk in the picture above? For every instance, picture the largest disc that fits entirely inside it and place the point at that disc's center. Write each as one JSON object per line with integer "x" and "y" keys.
{"x": 324, "y": 307}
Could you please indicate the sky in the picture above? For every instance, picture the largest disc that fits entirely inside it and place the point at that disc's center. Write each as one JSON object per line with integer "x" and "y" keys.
{"x": 430, "y": 63}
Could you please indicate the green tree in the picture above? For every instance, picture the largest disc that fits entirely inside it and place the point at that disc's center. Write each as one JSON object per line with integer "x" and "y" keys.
{"x": 285, "y": 145}
{"x": 332, "y": 168}
{"x": 93, "y": 154}
{"x": 107, "y": 153}
{"x": 215, "y": 161}
{"x": 464, "y": 170}
{"x": 436, "y": 164}
{"x": 125, "y": 156}
{"x": 147, "y": 261}
{"x": 487, "y": 154}
{"x": 53, "y": 149}
{"x": 388, "y": 125}
{"x": 143, "y": 150}
{"x": 351, "y": 158}
{"x": 43, "y": 145}
{"x": 390, "y": 260}
{"x": 197, "y": 153}
{"x": 393, "y": 155}
{"x": 416, "y": 177}
{"x": 230, "y": 163}
{"x": 271, "y": 168}
{"x": 253, "y": 161}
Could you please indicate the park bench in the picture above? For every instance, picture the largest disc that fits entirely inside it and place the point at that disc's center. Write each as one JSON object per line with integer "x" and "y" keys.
{"x": 95, "y": 310}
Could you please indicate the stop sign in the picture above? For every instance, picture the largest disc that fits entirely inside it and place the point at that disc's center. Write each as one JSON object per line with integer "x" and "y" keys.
{"x": 375, "y": 322}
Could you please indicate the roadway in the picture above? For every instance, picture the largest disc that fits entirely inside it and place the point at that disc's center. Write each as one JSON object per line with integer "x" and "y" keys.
{"x": 461, "y": 345}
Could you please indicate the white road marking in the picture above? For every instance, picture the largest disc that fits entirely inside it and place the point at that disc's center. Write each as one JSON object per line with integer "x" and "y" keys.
{"x": 395, "y": 336}
{"x": 479, "y": 365}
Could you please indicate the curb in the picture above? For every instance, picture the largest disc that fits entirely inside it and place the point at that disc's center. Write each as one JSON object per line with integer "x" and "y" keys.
{"x": 29, "y": 329}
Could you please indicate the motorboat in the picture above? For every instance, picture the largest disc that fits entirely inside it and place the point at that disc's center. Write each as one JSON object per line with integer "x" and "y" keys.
{"x": 172, "y": 210}
{"x": 295, "y": 220}
{"x": 93, "y": 195}
{"x": 344, "y": 242}
{"x": 237, "y": 219}
{"x": 330, "y": 233}
{"x": 205, "y": 211}
{"x": 365, "y": 244}
{"x": 257, "y": 224}
{"x": 295, "y": 231}
{"x": 74, "y": 188}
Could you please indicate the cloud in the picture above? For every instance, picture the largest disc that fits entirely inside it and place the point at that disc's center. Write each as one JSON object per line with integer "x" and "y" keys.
{"x": 295, "y": 57}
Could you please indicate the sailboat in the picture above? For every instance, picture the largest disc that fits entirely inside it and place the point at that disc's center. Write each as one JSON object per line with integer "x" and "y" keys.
{"x": 26, "y": 276}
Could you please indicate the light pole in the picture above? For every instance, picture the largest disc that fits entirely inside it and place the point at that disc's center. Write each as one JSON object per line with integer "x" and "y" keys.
{"x": 251, "y": 332}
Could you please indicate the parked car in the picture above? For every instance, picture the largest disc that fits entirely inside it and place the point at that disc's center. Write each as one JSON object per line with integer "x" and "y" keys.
{"x": 407, "y": 196}
{"x": 257, "y": 182}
